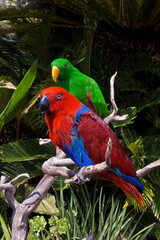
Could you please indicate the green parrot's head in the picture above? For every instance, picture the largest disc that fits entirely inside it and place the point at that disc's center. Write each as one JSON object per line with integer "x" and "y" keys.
{"x": 61, "y": 69}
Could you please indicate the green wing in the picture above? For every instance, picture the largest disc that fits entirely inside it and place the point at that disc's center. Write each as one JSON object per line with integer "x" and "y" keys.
{"x": 81, "y": 86}
{"x": 88, "y": 92}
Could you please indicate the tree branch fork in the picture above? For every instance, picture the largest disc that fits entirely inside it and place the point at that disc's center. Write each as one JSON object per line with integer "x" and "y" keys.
{"x": 57, "y": 166}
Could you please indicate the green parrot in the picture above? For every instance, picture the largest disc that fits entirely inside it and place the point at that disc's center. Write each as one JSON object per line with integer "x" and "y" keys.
{"x": 80, "y": 85}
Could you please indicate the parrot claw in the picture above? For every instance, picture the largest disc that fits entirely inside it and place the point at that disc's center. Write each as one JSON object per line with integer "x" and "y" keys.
{"x": 80, "y": 178}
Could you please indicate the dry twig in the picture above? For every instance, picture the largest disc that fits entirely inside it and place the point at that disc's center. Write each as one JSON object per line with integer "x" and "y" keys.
{"x": 21, "y": 211}
{"x": 113, "y": 117}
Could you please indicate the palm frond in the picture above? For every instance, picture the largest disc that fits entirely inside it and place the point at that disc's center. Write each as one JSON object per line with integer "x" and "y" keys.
{"x": 151, "y": 147}
{"x": 132, "y": 114}
{"x": 33, "y": 168}
{"x": 25, "y": 150}
{"x": 34, "y": 44}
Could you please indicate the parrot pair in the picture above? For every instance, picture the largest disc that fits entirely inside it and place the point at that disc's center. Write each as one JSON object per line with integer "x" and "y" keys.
{"x": 83, "y": 135}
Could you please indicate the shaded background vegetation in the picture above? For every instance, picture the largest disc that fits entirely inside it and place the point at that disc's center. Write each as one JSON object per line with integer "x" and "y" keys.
{"x": 99, "y": 37}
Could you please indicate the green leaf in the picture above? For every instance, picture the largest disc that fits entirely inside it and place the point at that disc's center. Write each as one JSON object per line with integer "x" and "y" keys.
{"x": 14, "y": 105}
{"x": 47, "y": 205}
{"x": 6, "y": 230}
{"x": 156, "y": 203}
{"x": 26, "y": 150}
{"x": 131, "y": 139}
{"x": 131, "y": 111}
{"x": 136, "y": 146}
{"x": 145, "y": 231}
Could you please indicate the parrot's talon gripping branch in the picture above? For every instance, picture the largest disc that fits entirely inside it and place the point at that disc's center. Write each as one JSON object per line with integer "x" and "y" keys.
{"x": 113, "y": 117}
{"x": 56, "y": 166}
{"x": 85, "y": 173}
{"x": 80, "y": 177}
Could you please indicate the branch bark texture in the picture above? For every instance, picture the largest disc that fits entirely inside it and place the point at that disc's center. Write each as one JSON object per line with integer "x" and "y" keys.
{"x": 21, "y": 211}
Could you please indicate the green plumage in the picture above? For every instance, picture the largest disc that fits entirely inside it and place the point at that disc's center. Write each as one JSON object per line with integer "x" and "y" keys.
{"x": 81, "y": 86}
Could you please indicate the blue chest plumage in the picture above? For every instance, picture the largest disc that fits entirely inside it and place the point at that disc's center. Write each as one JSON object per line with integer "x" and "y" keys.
{"x": 76, "y": 151}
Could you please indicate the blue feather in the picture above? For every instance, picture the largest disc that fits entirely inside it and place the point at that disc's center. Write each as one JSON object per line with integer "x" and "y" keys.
{"x": 76, "y": 151}
{"x": 81, "y": 111}
{"x": 134, "y": 180}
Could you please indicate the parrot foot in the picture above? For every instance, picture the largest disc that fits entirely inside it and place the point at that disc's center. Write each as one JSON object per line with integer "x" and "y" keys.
{"x": 80, "y": 176}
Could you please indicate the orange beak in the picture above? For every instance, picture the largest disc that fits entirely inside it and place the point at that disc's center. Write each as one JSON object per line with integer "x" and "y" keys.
{"x": 55, "y": 73}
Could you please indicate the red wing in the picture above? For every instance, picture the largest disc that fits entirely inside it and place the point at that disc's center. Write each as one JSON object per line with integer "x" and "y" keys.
{"x": 95, "y": 134}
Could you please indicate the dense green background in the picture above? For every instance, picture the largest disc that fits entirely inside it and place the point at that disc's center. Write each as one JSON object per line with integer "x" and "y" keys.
{"x": 99, "y": 38}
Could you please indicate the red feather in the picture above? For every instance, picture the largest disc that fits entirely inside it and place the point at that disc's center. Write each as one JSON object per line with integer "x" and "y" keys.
{"x": 94, "y": 134}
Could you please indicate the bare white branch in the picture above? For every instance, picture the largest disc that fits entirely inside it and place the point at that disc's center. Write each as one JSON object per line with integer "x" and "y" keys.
{"x": 9, "y": 191}
{"x": 150, "y": 167}
{"x": 4, "y": 178}
{"x": 59, "y": 153}
{"x": 43, "y": 141}
{"x": 19, "y": 176}
{"x": 115, "y": 108}
{"x": 113, "y": 117}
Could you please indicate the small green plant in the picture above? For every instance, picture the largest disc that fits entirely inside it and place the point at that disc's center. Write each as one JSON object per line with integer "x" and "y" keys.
{"x": 40, "y": 228}
{"x": 57, "y": 225}
{"x": 37, "y": 224}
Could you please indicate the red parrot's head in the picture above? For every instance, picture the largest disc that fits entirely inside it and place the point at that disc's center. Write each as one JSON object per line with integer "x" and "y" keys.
{"x": 55, "y": 100}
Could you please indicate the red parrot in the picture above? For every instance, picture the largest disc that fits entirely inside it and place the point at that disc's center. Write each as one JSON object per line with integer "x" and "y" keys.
{"x": 83, "y": 136}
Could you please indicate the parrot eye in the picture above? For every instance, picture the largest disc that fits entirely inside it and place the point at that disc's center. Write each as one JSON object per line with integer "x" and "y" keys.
{"x": 65, "y": 65}
{"x": 59, "y": 96}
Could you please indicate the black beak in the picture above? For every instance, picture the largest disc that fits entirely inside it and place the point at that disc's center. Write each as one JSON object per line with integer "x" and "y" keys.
{"x": 44, "y": 105}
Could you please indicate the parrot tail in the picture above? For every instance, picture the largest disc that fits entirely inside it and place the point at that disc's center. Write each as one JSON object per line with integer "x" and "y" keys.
{"x": 129, "y": 188}
{"x": 130, "y": 185}
{"x": 132, "y": 192}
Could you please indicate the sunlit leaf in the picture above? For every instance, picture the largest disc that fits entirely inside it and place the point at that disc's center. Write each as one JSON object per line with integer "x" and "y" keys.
{"x": 6, "y": 229}
{"x": 14, "y": 105}
{"x": 47, "y": 205}
{"x": 131, "y": 111}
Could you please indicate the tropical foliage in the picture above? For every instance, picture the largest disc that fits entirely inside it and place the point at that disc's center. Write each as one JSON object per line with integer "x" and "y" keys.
{"x": 104, "y": 218}
{"x": 99, "y": 37}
